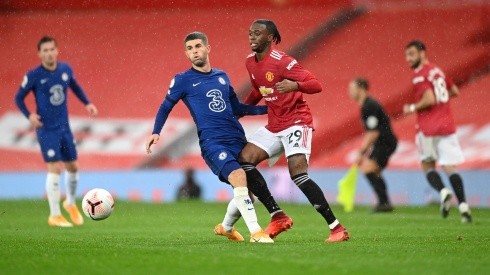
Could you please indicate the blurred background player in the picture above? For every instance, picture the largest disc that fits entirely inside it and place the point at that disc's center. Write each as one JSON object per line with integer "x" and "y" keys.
{"x": 436, "y": 131}
{"x": 378, "y": 144}
{"x": 189, "y": 188}
{"x": 214, "y": 106}
{"x": 281, "y": 81}
{"x": 49, "y": 82}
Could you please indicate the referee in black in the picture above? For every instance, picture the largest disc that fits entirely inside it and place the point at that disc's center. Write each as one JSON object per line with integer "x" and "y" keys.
{"x": 378, "y": 143}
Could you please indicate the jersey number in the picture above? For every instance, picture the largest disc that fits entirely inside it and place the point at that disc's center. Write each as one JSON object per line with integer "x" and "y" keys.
{"x": 57, "y": 96}
{"x": 440, "y": 90}
{"x": 217, "y": 104}
{"x": 295, "y": 135}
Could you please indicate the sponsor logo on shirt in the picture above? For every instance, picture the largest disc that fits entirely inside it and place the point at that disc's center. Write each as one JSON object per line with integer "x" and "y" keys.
{"x": 290, "y": 66}
{"x": 265, "y": 91}
{"x": 417, "y": 79}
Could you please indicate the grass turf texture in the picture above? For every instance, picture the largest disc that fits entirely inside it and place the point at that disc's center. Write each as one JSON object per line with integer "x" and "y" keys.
{"x": 178, "y": 238}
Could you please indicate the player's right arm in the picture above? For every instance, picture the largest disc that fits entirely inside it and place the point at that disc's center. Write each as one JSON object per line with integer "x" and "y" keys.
{"x": 254, "y": 97}
{"x": 427, "y": 100}
{"x": 174, "y": 94}
{"x": 24, "y": 89}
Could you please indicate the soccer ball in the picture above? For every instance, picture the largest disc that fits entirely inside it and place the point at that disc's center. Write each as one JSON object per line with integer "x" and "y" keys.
{"x": 97, "y": 204}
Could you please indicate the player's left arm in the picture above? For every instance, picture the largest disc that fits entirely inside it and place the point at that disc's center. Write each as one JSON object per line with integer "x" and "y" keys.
{"x": 78, "y": 91}
{"x": 240, "y": 109}
{"x": 371, "y": 125}
{"x": 297, "y": 78}
{"x": 452, "y": 88}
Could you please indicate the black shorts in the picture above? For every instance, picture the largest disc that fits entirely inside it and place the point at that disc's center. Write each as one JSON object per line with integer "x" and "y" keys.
{"x": 382, "y": 153}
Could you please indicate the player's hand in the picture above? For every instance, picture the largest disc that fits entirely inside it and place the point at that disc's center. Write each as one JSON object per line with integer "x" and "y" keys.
{"x": 92, "y": 110}
{"x": 358, "y": 158}
{"x": 153, "y": 139}
{"x": 286, "y": 86}
{"x": 35, "y": 120}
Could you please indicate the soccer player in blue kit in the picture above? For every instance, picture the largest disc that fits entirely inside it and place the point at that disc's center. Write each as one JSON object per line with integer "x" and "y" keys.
{"x": 50, "y": 82}
{"x": 214, "y": 106}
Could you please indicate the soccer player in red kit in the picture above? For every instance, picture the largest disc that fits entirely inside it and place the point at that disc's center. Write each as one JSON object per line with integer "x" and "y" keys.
{"x": 281, "y": 81}
{"x": 436, "y": 131}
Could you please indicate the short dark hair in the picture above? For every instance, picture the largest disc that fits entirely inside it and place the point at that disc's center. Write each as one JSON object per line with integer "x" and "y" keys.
{"x": 362, "y": 83}
{"x": 45, "y": 39}
{"x": 196, "y": 35}
{"x": 419, "y": 45}
{"x": 271, "y": 28}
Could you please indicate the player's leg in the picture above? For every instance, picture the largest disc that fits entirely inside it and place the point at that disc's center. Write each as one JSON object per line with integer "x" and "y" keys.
{"x": 298, "y": 170}
{"x": 372, "y": 171}
{"x": 69, "y": 156}
{"x": 261, "y": 146}
{"x": 372, "y": 167}
{"x": 49, "y": 142}
{"x": 297, "y": 145}
{"x": 237, "y": 178}
{"x": 428, "y": 155}
{"x": 226, "y": 227}
{"x": 71, "y": 184}
{"x": 53, "y": 194}
{"x": 450, "y": 155}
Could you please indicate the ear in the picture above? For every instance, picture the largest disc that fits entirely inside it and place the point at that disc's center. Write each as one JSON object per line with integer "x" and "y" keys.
{"x": 209, "y": 48}
{"x": 270, "y": 37}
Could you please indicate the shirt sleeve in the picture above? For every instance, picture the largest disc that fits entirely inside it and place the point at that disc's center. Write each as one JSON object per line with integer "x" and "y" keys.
{"x": 240, "y": 109}
{"x": 24, "y": 89}
{"x": 254, "y": 97}
{"x": 421, "y": 87}
{"x": 77, "y": 89}
{"x": 370, "y": 119}
{"x": 173, "y": 96}
{"x": 307, "y": 82}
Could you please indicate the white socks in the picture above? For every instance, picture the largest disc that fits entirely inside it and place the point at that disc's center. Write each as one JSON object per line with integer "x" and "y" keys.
{"x": 53, "y": 193}
{"x": 231, "y": 217}
{"x": 246, "y": 208}
{"x": 71, "y": 182}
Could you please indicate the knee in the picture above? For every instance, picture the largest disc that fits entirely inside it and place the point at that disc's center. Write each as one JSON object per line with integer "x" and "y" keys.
{"x": 238, "y": 178}
{"x": 252, "y": 154}
{"x": 297, "y": 164}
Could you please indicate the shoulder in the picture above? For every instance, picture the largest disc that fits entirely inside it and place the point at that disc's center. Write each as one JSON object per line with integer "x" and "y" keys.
{"x": 370, "y": 105}
{"x": 33, "y": 72}
{"x": 64, "y": 66}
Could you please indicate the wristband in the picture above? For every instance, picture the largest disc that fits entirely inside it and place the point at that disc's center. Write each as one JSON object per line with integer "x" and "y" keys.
{"x": 411, "y": 108}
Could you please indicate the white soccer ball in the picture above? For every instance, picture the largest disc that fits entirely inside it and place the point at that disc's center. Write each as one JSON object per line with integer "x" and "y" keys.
{"x": 97, "y": 204}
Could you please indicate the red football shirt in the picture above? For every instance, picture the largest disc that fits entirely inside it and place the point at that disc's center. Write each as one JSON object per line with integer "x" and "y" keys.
{"x": 436, "y": 120}
{"x": 284, "y": 109}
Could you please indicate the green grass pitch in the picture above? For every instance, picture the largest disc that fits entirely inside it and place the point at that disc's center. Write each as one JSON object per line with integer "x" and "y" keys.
{"x": 177, "y": 238}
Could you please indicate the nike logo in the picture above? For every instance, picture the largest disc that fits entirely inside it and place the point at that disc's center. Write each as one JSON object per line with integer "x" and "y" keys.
{"x": 195, "y": 84}
{"x": 250, "y": 208}
{"x": 44, "y": 80}
{"x": 297, "y": 121}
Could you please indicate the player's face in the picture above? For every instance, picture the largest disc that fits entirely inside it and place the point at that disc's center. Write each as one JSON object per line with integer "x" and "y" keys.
{"x": 413, "y": 57}
{"x": 354, "y": 91}
{"x": 197, "y": 52}
{"x": 259, "y": 38}
{"x": 48, "y": 53}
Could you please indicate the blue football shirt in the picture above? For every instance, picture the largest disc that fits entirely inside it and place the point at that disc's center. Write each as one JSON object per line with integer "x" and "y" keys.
{"x": 212, "y": 103}
{"x": 50, "y": 91}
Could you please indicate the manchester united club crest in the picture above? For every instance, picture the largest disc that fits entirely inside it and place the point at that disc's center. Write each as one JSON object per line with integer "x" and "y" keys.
{"x": 269, "y": 76}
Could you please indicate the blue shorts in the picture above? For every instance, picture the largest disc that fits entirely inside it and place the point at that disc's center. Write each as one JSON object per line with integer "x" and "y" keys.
{"x": 219, "y": 156}
{"x": 57, "y": 144}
